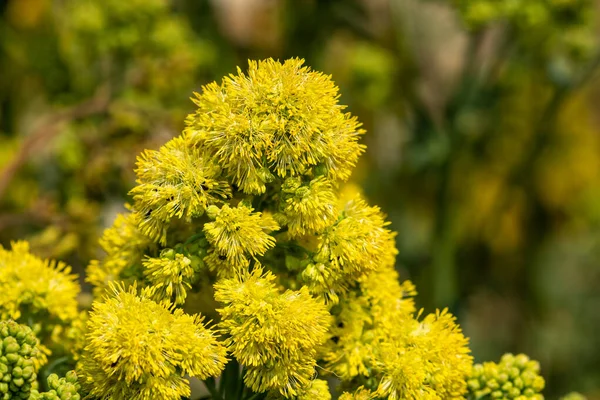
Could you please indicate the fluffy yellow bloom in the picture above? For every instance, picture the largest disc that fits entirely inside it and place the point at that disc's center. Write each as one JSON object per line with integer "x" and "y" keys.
{"x": 279, "y": 119}
{"x": 30, "y": 287}
{"x": 138, "y": 349}
{"x": 169, "y": 275}
{"x": 318, "y": 389}
{"x": 425, "y": 359}
{"x": 308, "y": 208}
{"x": 360, "y": 394}
{"x": 237, "y": 234}
{"x": 124, "y": 245}
{"x": 274, "y": 335}
{"x": 514, "y": 377}
{"x": 367, "y": 316}
{"x": 175, "y": 182}
{"x": 358, "y": 243}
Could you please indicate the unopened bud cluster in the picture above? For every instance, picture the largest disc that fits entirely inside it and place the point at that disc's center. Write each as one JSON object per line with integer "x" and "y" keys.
{"x": 19, "y": 358}
{"x": 514, "y": 377}
{"x": 66, "y": 388}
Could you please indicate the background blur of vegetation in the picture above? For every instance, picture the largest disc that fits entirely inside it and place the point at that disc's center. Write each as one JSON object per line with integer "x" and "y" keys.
{"x": 483, "y": 138}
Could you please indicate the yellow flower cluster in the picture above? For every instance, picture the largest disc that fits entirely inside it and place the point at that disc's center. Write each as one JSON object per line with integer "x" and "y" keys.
{"x": 32, "y": 289}
{"x": 360, "y": 394}
{"x": 124, "y": 246}
{"x": 274, "y": 335}
{"x": 237, "y": 234}
{"x": 244, "y": 217}
{"x": 138, "y": 349}
{"x": 279, "y": 120}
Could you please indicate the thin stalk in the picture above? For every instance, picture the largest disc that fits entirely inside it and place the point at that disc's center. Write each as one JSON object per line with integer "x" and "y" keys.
{"x": 212, "y": 388}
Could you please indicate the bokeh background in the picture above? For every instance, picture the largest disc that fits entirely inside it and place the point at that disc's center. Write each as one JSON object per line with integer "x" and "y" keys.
{"x": 483, "y": 121}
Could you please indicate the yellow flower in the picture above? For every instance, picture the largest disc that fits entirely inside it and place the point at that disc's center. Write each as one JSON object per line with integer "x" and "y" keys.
{"x": 368, "y": 315}
{"x": 33, "y": 288}
{"x": 124, "y": 245}
{"x": 360, "y": 394}
{"x": 175, "y": 182}
{"x": 169, "y": 276}
{"x": 309, "y": 208}
{"x": 138, "y": 349}
{"x": 317, "y": 390}
{"x": 425, "y": 359}
{"x": 236, "y": 234}
{"x": 357, "y": 244}
{"x": 278, "y": 120}
{"x": 274, "y": 335}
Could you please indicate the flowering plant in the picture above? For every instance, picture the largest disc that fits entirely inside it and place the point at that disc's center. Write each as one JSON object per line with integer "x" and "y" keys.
{"x": 244, "y": 218}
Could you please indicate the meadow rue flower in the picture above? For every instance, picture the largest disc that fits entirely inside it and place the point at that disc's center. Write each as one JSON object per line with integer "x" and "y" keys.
{"x": 20, "y": 360}
{"x": 360, "y": 394}
{"x": 426, "y": 358}
{"x": 139, "y": 349}
{"x": 176, "y": 181}
{"x": 238, "y": 234}
{"x": 30, "y": 287}
{"x": 309, "y": 207}
{"x": 356, "y": 244}
{"x": 247, "y": 204}
{"x": 318, "y": 389}
{"x": 273, "y": 335}
{"x": 169, "y": 275}
{"x": 364, "y": 319}
{"x": 279, "y": 119}
{"x": 124, "y": 245}
{"x": 513, "y": 377}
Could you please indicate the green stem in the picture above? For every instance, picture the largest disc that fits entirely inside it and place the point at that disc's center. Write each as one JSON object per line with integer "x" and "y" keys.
{"x": 212, "y": 388}
{"x": 241, "y": 387}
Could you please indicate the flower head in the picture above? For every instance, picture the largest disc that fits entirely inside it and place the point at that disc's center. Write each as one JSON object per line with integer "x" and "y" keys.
{"x": 274, "y": 335}
{"x": 513, "y": 377}
{"x": 278, "y": 120}
{"x": 318, "y": 389}
{"x": 367, "y": 317}
{"x": 139, "y": 349}
{"x": 360, "y": 394}
{"x": 355, "y": 245}
{"x": 169, "y": 275}
{"x": 237, "y": 234}
{"x": 66, "y": 388}
{"x": 425, "y": 359}
{"x": 175, "y": 182}
{"x": 310, "y": 207}
{"x": 36, "y": 287}
{"x": 124, "y": 245}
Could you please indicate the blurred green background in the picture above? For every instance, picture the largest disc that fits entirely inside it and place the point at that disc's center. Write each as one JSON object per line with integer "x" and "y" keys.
{"x": 483, "y": 138}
